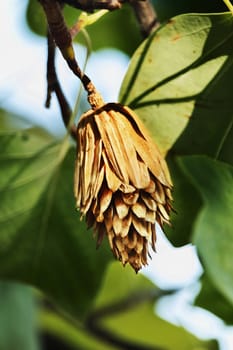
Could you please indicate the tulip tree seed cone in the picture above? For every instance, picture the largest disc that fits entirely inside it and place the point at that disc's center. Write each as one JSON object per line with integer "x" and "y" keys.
{"x": 122, "y": 184}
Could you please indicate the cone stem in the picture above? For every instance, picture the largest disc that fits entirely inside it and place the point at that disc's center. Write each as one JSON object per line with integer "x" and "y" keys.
{"x": 63, "y": 39}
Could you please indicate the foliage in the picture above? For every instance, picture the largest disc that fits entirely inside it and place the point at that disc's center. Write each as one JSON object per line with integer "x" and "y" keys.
{"x": 179, "y": 83}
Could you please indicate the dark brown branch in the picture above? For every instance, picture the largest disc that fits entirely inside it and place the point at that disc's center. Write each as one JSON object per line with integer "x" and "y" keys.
{"x": 63, "y": 40}
{"x": 53, "y": 85}
{"x": 51, "y": 72}
{"x": 91, "y": 5}
{"x": 61, "y": 36}
{"x": 146, "y": 16}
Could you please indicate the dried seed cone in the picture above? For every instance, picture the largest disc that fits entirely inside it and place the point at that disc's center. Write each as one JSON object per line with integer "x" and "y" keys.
{"x": 122, "y": 183}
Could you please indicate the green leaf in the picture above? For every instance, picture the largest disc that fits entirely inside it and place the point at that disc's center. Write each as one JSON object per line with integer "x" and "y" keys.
{"x": 187, "y": 203}
{"x": 36, "y": 20}
{"x": 211, "y": 299}
{"x": 179, "y": 83}
{"x": 107, "y": 33}
{"x": 127, "y": 311}
{"x": 18, "y": 326}
{"x": 122, "y": 315}
{"x": 35, "y": 17}
{"x": 42, "y": 240}
{"x": 180, "y": 77}
{"x": 213, "y": 234}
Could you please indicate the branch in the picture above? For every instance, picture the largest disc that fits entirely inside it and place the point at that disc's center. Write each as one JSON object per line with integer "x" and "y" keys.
{"x": 146, "y": 16}
{"x": 63, "y": 39}
{"x": 53, "y": 85}
{"x": 91, "y": 5}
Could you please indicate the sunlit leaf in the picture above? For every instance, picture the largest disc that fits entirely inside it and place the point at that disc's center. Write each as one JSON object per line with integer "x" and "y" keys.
{"x": 42, "y": 240}
{"x": 179, "y": 83}
{"x": 123, "y": 317}
{"x": 128, "y": 312}
{"x": 212, "y": 231}
{"x": 182, "y": 73}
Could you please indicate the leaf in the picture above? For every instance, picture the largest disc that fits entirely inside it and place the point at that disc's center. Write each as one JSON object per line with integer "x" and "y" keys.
{"x": 42, "y": 240}
{"x": 11, "y": 123}
{"x": 213, "y": 234}
{"x": 123, "y": 317}
{"x": 107, "y": 33}
{"x": 179, "y": 83}
{"x": 18, "y": 326}
{"x": 187, "y": 204}
{"x": 125, "y": 37}
{"x": 211, "y": 299}
{"x": 180, "y": 77}
{"x": 128, "y": 312}
{"x": 35, "y": 17}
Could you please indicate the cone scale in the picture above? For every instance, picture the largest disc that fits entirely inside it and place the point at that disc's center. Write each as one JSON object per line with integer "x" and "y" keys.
{"x": 122, "y": 184}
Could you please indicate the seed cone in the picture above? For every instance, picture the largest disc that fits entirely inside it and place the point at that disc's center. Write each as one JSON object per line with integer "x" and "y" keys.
{"x": 122, "y": 183}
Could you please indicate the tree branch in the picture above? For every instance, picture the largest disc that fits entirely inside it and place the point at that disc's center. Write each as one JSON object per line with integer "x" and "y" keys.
{"x": 146, "y": 16}
{"x": 53, "y": 85}
{"x": 91, "y": 5}
{"x": 63, "y": 40}
{"x": 61, "y": 36}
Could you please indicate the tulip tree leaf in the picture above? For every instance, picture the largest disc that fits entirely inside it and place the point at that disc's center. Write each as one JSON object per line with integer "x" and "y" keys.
{"x": 187, "y": 203}
{"x": 212, "y": 233}
{"x": 179, "y": 83}
{"x": 42, "y": 240}
{"x": 220, "y": 307}
{"x": 181, "y": 74}
{"x": 128, "y": 311}
{"x": 35, "y": 18}
{"x": 107, "y": 33}
{"x": 18, "y": 324}
{"x": 124, "y": 317}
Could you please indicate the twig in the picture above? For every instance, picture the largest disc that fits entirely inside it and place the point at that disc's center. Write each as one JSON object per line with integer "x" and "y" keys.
{"x": 63, "y": 40}
{"x": 146, "y": 16}
{"x": 91, "y": 5}
{"x": 62, "y": 37}
{"x": 53, "y": 85}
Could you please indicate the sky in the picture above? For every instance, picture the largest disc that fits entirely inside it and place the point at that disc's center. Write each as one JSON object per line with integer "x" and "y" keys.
{"x": 22, "y": 87}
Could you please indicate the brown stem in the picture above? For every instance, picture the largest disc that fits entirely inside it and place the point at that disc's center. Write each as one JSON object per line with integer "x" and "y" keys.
{"x": 146, "y": 16}
{"x": 53, "y": 85}
{"x": 51, "y": 73}
{"x": 91, "y": 5}
{"x": 63, "y": 40}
